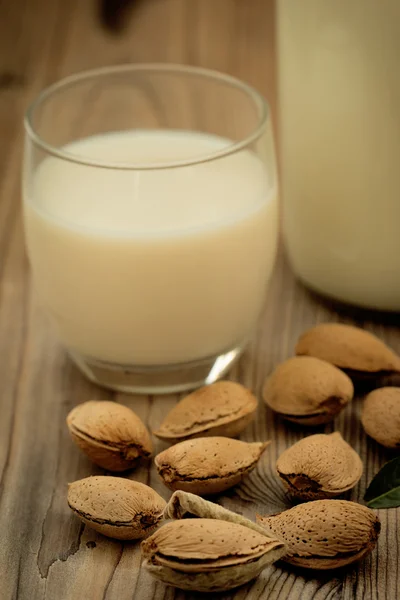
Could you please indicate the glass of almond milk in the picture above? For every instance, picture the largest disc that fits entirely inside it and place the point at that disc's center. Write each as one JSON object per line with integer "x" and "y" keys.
{"x": 150, "y": 211}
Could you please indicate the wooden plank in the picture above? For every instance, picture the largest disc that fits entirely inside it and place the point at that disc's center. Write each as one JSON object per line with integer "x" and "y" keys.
{"x": 45, "y": 553}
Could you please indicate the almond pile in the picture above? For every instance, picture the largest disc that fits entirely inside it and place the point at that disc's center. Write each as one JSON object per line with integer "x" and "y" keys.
{"x": 203, "y": 546}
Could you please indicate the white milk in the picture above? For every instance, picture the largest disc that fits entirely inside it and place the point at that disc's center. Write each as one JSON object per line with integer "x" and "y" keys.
{"x": 339, "y": 86}
{"x": 152, "y": 267}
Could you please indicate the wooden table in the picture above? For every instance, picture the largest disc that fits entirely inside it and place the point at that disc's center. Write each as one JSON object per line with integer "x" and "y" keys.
{"x": 45, "y": 553}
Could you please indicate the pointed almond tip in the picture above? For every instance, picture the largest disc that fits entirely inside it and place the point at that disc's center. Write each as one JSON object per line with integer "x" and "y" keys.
{"x": 336, "y": 434}
{"x": 264, "y": 445}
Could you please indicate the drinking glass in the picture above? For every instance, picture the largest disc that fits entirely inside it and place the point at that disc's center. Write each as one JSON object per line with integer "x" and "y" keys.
{"x": 150, "y": 212}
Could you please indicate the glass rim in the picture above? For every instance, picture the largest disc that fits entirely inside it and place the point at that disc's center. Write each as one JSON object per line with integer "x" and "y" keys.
{"x": 175, "y": 68}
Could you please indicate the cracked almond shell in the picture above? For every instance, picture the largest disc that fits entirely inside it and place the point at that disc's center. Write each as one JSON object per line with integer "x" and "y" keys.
{"x": 307, "y": 390}
{"x": 223, "y": 408}
{"x": 208, "y": 555}
{"x": 349, "y": 348}
{"x": 381, "y": 416}
{"x": 110, "y": 434}
{"x": 207, "y": 465}
{"x": 183, "y": 505}
{"x": 116, "y": 507}
{"x": 324, "y": 534}
{"x": 319, "y": 466}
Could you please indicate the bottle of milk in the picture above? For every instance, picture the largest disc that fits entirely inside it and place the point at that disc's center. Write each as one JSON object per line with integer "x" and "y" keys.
{"x": 339, "y": 94}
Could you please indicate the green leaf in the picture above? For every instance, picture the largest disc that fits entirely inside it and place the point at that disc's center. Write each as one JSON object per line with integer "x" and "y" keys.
{"x": 384, "y": 489}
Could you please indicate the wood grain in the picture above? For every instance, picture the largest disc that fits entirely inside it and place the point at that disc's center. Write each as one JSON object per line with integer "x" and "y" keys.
{"x": 45, "y": 553}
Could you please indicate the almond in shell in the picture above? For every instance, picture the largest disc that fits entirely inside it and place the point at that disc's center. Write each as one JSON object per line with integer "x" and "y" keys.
{"x": 381, "y": 416}
{"x": 224, "y": 408}
{"x": 350, "y": 348}
{"x": 324, "y": 534}
{"x": 208, "y": 555}
{"x": 110, "y": 434}
{"x": 116, "y": 507}
{"x": 207, "y": 465}
{"x": 307, "y": 390}
{"x": 319, "y": 466}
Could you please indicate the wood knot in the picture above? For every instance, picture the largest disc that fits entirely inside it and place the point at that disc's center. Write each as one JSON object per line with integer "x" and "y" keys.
{"x": 9, "y": 80}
